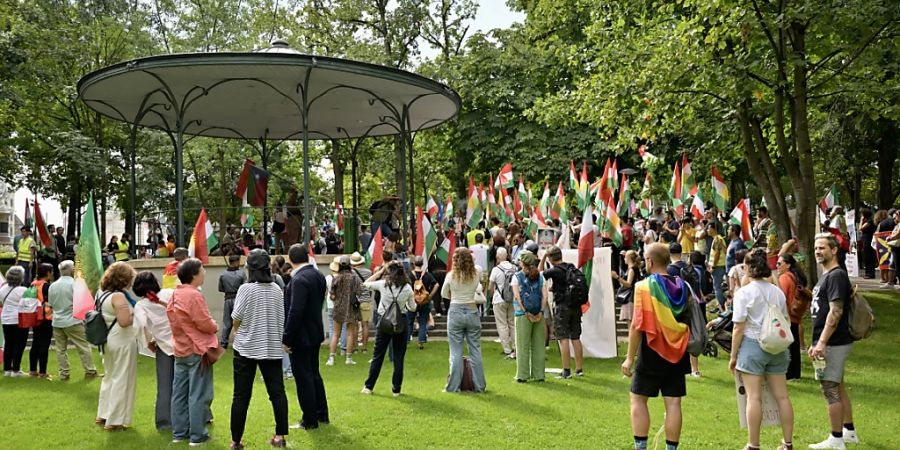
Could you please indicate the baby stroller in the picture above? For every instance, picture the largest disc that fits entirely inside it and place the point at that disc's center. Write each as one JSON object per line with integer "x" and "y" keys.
{"x": 720, "y": 330}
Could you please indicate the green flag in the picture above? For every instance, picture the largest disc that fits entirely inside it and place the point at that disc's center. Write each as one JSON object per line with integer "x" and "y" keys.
{"x": 88, "y": 263}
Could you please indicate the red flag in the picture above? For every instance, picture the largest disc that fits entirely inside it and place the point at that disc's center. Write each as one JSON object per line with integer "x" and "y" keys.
{"x": 375, "y": 252}
{"x": 451, "y": 251}
{"x": 42, "y": 233}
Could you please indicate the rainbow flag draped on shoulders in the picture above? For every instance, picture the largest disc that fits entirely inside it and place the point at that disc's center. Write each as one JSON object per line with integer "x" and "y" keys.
{"x": 657, "y": 301}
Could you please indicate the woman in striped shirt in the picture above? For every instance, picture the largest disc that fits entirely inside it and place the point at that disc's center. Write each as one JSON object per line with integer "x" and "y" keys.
{"x": 258, "y": 318}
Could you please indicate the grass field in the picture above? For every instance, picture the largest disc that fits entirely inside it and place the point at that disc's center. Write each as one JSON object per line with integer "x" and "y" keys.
{"x": 589, "y": 413}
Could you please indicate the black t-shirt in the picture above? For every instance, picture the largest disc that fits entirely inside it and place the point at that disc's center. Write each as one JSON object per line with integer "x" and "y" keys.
{"x": 833, "y": 286}
{"x": 427, "y": 279}
{"x": 886, "y": 225}
{"x": 558, "y": 275}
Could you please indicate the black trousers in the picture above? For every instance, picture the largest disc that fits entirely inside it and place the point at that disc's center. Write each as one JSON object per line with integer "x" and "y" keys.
{"x": 398, "y": 343}
{"x": 310, "y": 388}
{"x": 14, "y": 339}
{"x": 869, "y": 258}
{"x": 40, "y": 347}
{"x": 793, "y": 371}
{"x": 244, "y": 376}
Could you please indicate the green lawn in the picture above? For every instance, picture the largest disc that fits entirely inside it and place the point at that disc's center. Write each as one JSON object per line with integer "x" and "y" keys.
{"x": 591, "y": 412}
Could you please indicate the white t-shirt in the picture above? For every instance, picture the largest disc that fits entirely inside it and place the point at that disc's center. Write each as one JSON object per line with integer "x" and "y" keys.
{"x": 752, "y": 302}
{"x": 10, "y": 298}
{"x": 738, "y": 272}
{"x": 480, "y": 254}
{"x": 498, "y": 277}
{"x": 328, "y": 302}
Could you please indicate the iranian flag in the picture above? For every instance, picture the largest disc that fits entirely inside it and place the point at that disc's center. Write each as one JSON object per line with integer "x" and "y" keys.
{"x": 523, "y": 199}
{"x": 646, "y": 157}
{"x": 426, "y": 237}
{"x": 88, "y": 265}
{"x": 830, "y": 199}
{"x": 624, "y": 197}
{"x": 697, "y": 206}
{"x": 203, "y": 239}
{"x": 586, "y": 249}
{"x": 473, "y": 206}
{"x": 375, "y": 252}
{"x": 741, "y": 216}
{"x": 646, "y": 204}
{"x": 562, "y": 210}
{"x": 573, "y": 177}
{"x": 491, "y": 209}
{"x": 720, "y": 190}
{"x": 544, "y": 204}
{"x": 505, "y": 177}
{"x": 338, "y": 218}
{"x": 689, "y": 185}
{"x": 431, "y": 207}
{"x": 42, "y": 233}
{"x": 445, "y": 251}
{"x": 252, "y": 185}
{"x": 448, "y": 211}
{"x": 612, "y": 179}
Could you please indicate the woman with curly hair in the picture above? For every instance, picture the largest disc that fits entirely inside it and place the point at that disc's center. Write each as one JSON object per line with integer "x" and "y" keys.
{"x": 345, "y": 291}
{"x": 463, "y": 321}
{"x": 117, "y": 390}
{"x": 393, "y": 285}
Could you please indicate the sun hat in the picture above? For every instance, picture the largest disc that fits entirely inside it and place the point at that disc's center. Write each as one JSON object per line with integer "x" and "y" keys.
{"x": 356, "y": 259}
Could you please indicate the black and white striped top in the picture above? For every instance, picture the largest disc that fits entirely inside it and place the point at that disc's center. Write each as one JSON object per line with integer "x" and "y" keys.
{"x": 260, "y": 308}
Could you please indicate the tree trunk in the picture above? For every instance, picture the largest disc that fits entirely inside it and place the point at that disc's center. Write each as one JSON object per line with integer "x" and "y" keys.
{"x": 887, "y": 158}
{"x": 72, "y": 223}
{"x": 763, "y": 171}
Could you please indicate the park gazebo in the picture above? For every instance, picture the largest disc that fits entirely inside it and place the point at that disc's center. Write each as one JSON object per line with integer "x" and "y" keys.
{"x": 267, "y": 97}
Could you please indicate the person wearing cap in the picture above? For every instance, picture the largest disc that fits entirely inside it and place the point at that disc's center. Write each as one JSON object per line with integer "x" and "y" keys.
{"x": 566, "y": 316}
{"x": 258, "y": 319}
{"x": 529, "y": 299}
{"x": 345, "y": 290}
{"x": 229, "y": 283}
{"x": 366, "y": 313}
{"x": 504, "y": 313}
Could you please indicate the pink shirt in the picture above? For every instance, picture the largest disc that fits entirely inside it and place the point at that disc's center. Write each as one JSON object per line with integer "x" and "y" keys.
{"x": 193, "y": 329}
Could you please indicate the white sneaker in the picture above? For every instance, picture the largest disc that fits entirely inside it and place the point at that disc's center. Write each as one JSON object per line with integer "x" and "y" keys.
{"x": 330, "y": 361}
{"x": 830, "y": 443}
{"x": 7, "y": 373}
{"x": 366, "y": 391}
{"x": 350, "y": 362}
{"x": 850, "y": 437}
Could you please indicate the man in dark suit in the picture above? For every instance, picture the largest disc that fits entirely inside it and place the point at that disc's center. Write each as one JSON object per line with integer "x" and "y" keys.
{"x": 303, "y": 335}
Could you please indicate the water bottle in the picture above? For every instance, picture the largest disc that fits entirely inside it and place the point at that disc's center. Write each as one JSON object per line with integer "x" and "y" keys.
{"x": 819, "y": 367}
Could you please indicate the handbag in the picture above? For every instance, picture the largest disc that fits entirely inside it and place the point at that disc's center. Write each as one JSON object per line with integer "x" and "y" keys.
{"x": 624, "y": 295}
{"x": 393, "y": 321}
{"x": 211, "y": 356}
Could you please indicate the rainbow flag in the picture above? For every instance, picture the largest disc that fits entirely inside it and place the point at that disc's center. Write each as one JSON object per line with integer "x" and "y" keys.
{"x": 657, "y": 301}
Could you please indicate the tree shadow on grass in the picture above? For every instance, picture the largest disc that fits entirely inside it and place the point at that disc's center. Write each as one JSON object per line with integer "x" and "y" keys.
{"x": 507, "y": 402}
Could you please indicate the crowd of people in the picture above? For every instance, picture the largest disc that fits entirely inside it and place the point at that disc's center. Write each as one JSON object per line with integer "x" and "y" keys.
{"x": 279, "y": 311}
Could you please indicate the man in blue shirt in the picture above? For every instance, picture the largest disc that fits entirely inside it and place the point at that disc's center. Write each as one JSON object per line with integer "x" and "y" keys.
{"x": 734, "y": 233}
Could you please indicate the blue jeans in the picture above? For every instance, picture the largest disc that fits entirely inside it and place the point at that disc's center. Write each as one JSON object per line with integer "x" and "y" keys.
{"x": 422, "y": 317}
{"x": 192, "y": 394}
{"x": 717, "y": 274}
{"x": 286, "y": 364}
{"x": 464, "y": 323}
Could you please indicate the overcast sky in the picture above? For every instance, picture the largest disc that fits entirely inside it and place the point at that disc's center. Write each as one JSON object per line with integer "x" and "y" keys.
{"x": 491, "y": 14}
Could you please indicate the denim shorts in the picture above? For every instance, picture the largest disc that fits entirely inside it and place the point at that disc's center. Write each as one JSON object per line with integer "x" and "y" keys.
{"x": 752, "y": 359}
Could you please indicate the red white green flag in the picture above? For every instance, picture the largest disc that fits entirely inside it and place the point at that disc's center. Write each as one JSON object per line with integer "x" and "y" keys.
{"x": 586, "y": 248}
{"x": 581, "y": 193}
{"x": 203, "y": 239}
{"x": 448, "y": 211}
{"x": 675, "y": 192}
{"x": 720, "y": 190}
{"x": 646, "y": 157}
{"x": 375, "y": 252}
{"x": 646, "y": 203}
{"x": 491, "y": 209}
{"x": 431, "y": 207}
{"x": 522, "y": 209}
{"x": 698, "y": 208}
{"x": 603, "y": 189}
{"x": 689, "y": 185}
{"x": 561, "y": 210}
{"x": 426, "y": 237}
{"x": 573, "y": 177}
{"x": 741, "y": 216}
{"x": 505, "y": 177}
{"x": 544, "y": 204}
{"x": 338, "y": 218}
{"x": 612, "y": 225}
{"x": 624, "y": 197}
{"x": 830, "y": 199}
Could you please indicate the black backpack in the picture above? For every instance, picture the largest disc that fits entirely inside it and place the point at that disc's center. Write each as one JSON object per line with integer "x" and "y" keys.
{"x": 689, "y": 275}
{"x": 576, "y": 287}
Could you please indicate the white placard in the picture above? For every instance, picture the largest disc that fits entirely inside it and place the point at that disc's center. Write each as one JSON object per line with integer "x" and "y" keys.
{"x": 598, "y": 325}
{"x": 770, "y": 415}
{"x": 852, "y": 263}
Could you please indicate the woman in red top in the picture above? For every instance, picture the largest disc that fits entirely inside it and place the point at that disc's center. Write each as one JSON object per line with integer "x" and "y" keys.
{"x": 194, "y": 334}
{"x": 791, "y": 279}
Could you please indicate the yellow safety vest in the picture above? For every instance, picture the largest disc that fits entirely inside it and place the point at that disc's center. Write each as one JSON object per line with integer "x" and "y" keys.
{"x": 24, "y": 250}
{"x": 122, "y": 256}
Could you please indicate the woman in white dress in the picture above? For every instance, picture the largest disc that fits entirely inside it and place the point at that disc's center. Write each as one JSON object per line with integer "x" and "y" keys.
{"x": 117, "y": 390}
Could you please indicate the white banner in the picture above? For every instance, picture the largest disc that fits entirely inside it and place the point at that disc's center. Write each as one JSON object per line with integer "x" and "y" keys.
{"x": 598, "y": 325}
{"x": 851, "y": 229}
{"x": 770, "y": 416}
{"x": 852, "y": 263}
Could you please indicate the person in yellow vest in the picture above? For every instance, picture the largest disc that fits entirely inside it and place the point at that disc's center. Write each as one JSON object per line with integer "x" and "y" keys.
{"x": 122, "y": 247}
{"x": 170, "y": 273}
{"x": 26, "y": 252}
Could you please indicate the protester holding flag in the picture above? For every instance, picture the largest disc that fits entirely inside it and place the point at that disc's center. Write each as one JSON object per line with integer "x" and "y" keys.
{"x": 657, "y": 357}
{"x": 66, "y": 328}
{"x": 117, "y": 391}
